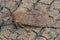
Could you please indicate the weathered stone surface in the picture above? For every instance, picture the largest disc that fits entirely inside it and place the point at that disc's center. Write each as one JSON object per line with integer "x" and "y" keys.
{"x": 3, "y": 38}
{"x": 35, "y": 18}
{"x": 10, "y": 27}
{"x": 1, "y": 19}
{"x": 11, "y": 4}
{"x": 6, "y": 33}
{"x": 57, "y": 24}
{"x": 25, "y": 35}
{"x": 46, "y": 1}
{"x": 49, "y": 33}
{"x": 53, "y": 12}
{"x": 41, "y": 38}
{"x": 13, "y": 36}
{"x": 58, "y": 38}
{"x": 58, "y": 30}
{"x": 57, "y": 17}
{"x": 40, "y": 5}
{"x": 15, "y": 7}
{"x": 28, "y": 3}
{"x": 56, "y": 5}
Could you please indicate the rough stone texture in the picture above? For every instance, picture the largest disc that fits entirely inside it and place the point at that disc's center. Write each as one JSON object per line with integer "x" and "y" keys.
{"x": 42, "y": 38}
{"x": 28, "y": 3}
{"x": 49, "y": 33}
{"x": 57, "y": 24}
{"x": 53, "y": 12}
{"x": 1, "y": 19}
{"x": 6, "y": 33}
{"x": 46, "y": 1}
{"x": 26, "y": 35}
{"x": 56, "y": 4}
{"x": 48, "y": 9}
{"x": 13, "y": 36}
{"x": 58, "y": 38}
{"x": 2, "y": 38}
{"x": 41, "y": 6}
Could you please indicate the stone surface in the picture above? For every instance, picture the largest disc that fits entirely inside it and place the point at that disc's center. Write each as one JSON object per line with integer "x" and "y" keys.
{"x": 58, "y": 38}
{"x": 28, "y": 3}
{"x": 10, "y": 27}
{"x": 56, "y": 5}
{"x": 49, "y": 33}
{"x": 57, "y": 17}
{"x": 58, "y": 31}
{"x": 6, "y": 33}
{"x": 13, "y": 36}
{"x": 48, "y": 10}
{"x": 26, "y": 35}
{"x": 46, "y": 1}
{"x": 3, "y": 38}
{"x": 41, "y": 6}
{"x": 1, "y": 19}
{"x": 57, "y": 24}
{"x": 42, "y": 38}
{"x": 53, "y": 12}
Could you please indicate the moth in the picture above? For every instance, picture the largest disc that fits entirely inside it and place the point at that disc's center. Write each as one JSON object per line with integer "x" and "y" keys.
{"x": 33, "y": 18}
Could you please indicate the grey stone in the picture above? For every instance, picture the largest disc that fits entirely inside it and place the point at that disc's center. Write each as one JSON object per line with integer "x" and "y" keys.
{"x": 58, "y": 38}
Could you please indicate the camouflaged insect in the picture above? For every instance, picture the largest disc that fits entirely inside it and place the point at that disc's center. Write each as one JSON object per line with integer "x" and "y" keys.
{"x": 34, "y": 18}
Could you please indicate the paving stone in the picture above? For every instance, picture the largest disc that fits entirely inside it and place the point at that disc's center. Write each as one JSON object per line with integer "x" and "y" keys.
{"x": 13, "y": 36}
{"x": 53, "y": 13}
{"x": 35, "y": 29}
{"x": 1, "y": 1}
{"x": 7, "y": 20}
{"x": 58, "y": 38}
{"x": 16, "y": 0}
{"x": 32, "y": 35}
{"x": 27, "y": 36}
{"x": 10, "y": 27}
{"x": 1, "y": 19}
{"x": 0, "y": 39}
{"x": 51, "y": 39}
{"x": 6, "y": 33}
{"x": 5, "y": 12}
{"x": 57, "y": 17}
{"x": 46, "y": 1}
{"x": 3, "y": 38}
{"x": 21, "y": 31}
{"x": 28, "y": 28}
{"x": 9, "y": 39}
{"x": 21, "y": 8}
{"x": 23, "y": 35}
{"x": 19, "y": 38}
{"x": 28, "y": 3}
{"x": 41, "y": 38}
{"x": 49, "y": 33}
{"x": 52, "y": 34}
{"x": 56, "y": 5}
{"x": 57, "y": 24}
{"x": 58, "y": 31}
{"x": 41, "y": 6}
{"x": 11, "y": 5}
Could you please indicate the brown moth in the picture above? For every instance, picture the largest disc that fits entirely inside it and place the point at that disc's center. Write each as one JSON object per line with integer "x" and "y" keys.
{"x": 35, "y": 18}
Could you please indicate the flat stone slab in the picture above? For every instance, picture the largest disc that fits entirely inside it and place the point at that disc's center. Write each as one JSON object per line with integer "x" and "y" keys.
{"x": 33, "y": 18}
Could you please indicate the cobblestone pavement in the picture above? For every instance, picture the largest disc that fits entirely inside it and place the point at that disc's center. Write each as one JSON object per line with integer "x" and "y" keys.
{"x": 11, "y": 31}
